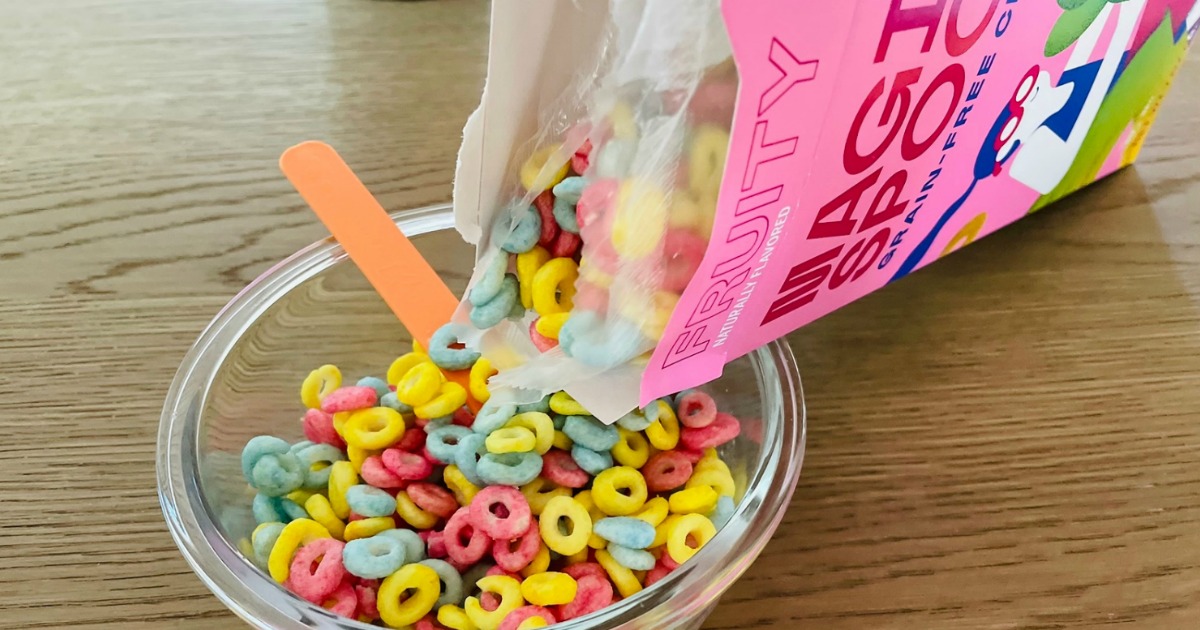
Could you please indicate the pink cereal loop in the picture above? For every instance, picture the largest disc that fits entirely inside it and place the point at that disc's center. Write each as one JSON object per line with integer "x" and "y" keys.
{"x": 559, "y": 467}
{"x": 433, "y": 499}
{"x": 514, "y": 555}
{"x": 514, "y": 619}
{"x": 376, "y": 473}
{"x": 501, "y": 512}
{"x": 666, "y": 471}
{"x": 351, "y": 398}
{"x": 577, "y": 571}
{"x": 343, "y": 601}
{"x": 464, "y": 542}
{"x": 723, "y": 429}
{"x": 435, "y": 543}
{"x": 315, "y": 583}
{"x": 318, "y": 427}
{"x": 592, "y": 594}
{"x": 405, "y": 465}
{"x": 368, "y": 597}
{"x": 498, "y": 570}
{"x": 411, "y": 441}
{"x": 697, "y": 410}
{"x": 540, "y": 341}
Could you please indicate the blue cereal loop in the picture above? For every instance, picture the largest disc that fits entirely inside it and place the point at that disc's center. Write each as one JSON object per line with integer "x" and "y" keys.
{"x": 390, "y": 401}
{"x": 267, "y": 510}
{"x": 723, "y": 512}
{"x": 436, "y": 423}
{"x": 492, "y": 416}
{"x": 446, "y": 357}
{"x": 277, "y": 474}
{"x": 414, "y": 547}
{"x": 570, "y": 189}
{"x": 316, "y": 460}
{"x": 263, "y": 541}
{"x": 626, "y": 531}
{"x": 444, "y": 443}
{"x": 490, "y": 280}
{"x": 590, "y": 433}
{"x": 674, "y": 400}
{"x": 472, "y": 576}
{"x": 541, "y": 406}
{"x": 292, "y": 509}
{"x": 471, "y": 448}
{"x": 590, "y": 461}
{"x": 517, "y": 311}
{"x": 565, "y": 215}
{"x": 517, "y": 230}
{"x": 373, "y": 558}
{"x": 509, "y": 469}
{"x": 452, "y": 582}
{"x": 259, "y": 447}
{"x": 587, "y": 339}
{"x": 636, "y": 420}
{"x": 370, "y": 501}
{"x": 559, "y": 420}
{"x": 379, "y": 385}
{"x": 632, "y": 559}
{"x": 496, "y": 309}
{"x": 299, "y": 446}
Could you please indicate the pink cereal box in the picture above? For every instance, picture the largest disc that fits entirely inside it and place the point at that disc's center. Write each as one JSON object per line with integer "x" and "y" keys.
{"x": 869, "y": 139}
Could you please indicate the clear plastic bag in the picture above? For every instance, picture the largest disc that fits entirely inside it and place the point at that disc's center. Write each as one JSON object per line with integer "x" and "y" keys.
{"x": 606, "y": 209}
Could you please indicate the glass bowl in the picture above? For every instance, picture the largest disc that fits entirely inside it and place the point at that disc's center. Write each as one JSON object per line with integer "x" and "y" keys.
{"x": 242, "y": 379}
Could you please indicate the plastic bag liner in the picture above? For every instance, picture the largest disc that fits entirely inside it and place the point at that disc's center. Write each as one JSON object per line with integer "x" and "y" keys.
{"x": 612, "y": 81}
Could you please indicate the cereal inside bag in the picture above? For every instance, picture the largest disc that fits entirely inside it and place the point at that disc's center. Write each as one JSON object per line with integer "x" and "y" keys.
{"x": 603, "y": 213}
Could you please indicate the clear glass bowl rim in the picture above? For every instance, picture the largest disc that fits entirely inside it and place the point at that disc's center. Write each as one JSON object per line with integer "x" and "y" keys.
{"x": 682, "y": 596}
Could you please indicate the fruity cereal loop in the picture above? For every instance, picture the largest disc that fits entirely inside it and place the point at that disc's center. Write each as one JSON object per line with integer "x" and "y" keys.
{"x": 404, "y": 508}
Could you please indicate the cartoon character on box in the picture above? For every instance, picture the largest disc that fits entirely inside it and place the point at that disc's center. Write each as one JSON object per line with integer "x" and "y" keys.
{"x": 1045, "y": 122}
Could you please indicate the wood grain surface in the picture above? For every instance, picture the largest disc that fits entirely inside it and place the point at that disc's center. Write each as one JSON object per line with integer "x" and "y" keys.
{"x": 1009, "y": 439}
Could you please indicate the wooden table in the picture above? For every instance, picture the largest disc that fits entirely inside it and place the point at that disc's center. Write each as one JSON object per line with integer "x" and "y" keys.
{"x": 1008, "y": 439}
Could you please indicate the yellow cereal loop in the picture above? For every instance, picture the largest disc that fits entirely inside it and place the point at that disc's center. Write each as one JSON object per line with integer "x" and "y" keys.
{"x": 624, "y": 126}
{"x": 321, "y": 511}
{"x": 540, "y": 424}
{"x": 246, "y": 547}
{"x": 532, "y": 623}
{"x": 367, "y": 527}
{"x": 697, "y": 500}
{"x": 741, "y": 480}
{"x": 509, "y": 591}
{"x": 687, "y": 535}
{"x": 582, "y": 556}
{"x": 685, "y": 211}
{"x": 655, "y": 511}
{"x": 531, "y": 170}
{"x": 459, "y": 485}
{"x": 539, "y": 492}
{"x": 626, "y": 582}
{"x": 712, "y": 471}
{"x": 454, "y": 618}
{"x": 373, "y": 429}
{"x": 450, "y": 398}
{"x": 299, "y": 496}
{"x": 654, "y": 322}
{"x": 641, "y": 219}
{"x": 358, "y": 455}
{"x": 540, "y": 562}
{"x": 554, "y": 286}
{"x": 418, "y": 348}
{"x": 403, "y": 364}
{"x": 706, "y": 160}
{"x": 561, "y": 441}
{"x": 619, "y": 491}
{"x": 663, "y": 529}
{"x": 481, "y": 371}
{"x": 585, "y": 499}
{"x": 510, "y": 440}
{"x": 341, "y": 476}
{"x": 562, "y": 403}
{"x": 339, "y": 422}
{"x": 295, "y": 534}
{"x": 631, "y": 448}
{"x": 408, "y": 594}
{"x": 663, "y": 433}
{"x": 549, "y": 589}
{"x": 412, "y": 514}
{"x": 527, "y": 267}
{"x": 565, "y": 525}
{"x": 594, "y": 274}
{"x": 420, "y": 384}
{"x": 318, "y": 383}
{"x": 549, "y": 325}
